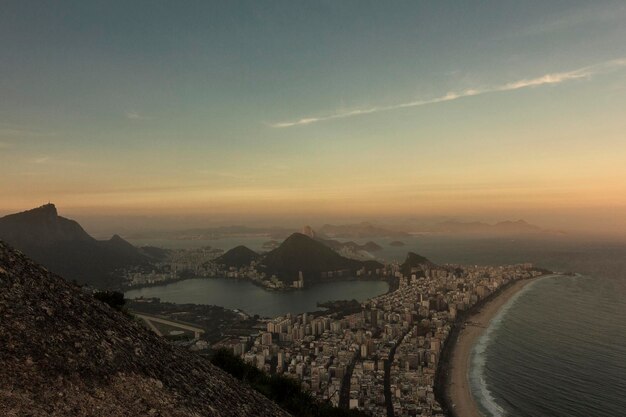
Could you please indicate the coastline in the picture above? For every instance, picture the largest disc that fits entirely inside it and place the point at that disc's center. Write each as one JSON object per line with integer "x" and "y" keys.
{"x": 460, "y": 401}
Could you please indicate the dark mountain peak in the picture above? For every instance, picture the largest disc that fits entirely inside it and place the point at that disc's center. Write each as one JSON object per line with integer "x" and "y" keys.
{"x": 298, "y": 239}
{"x": 118, "y": 240}
{"x": 48, "y": 210}
{"x": 416, "y": 259}
{"x": 300, "y": 253}
{"x": 66, "y": 353}
{"x": 40, "y": 226}
{"x": 63, "y": 246}
{"x": 414, "y": 263}
{"x": 121, "y": 246}
{"x": 45, "y": 212}
{"x": 238, "y": 257}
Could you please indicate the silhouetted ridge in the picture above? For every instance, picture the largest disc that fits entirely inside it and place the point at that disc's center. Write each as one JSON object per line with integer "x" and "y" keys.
{"x": 41, "y": 226}
{"x": 64, "y": 353}
{"x": 238, "y": 257}
{"x": 64, "y": 247}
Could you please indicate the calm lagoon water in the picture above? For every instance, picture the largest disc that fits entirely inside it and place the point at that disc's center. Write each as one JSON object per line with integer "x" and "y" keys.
{"x": 253, "y": 299}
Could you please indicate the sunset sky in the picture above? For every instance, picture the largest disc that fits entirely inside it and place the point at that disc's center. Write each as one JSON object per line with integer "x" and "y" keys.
{"x": 486, "y": 110}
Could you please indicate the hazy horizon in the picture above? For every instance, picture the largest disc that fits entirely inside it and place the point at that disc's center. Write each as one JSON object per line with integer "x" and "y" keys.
{"x": 283, "y": 113}
{"x": 104, "y": 226}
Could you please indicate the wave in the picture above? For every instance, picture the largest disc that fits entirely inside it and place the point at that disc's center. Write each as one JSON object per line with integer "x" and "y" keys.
{"x": 476, "y": 373}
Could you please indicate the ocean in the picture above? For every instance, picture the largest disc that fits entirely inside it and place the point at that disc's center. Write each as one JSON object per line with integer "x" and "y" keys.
{"x": 558, "y": 348}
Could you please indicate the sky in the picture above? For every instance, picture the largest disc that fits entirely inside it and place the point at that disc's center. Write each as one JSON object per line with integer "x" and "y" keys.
{"x": 329, "y": 110}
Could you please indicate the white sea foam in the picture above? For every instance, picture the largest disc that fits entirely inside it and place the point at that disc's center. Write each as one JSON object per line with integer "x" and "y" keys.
{"x": 476, "y": 372}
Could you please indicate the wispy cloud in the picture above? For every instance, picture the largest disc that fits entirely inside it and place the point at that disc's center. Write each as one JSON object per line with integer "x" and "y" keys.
{"x": 48, "y": 160}
{"x": 133, "y": 115}
{"x": 13, "y": 130}
{"x": 41, "y": 159}
{"x": 547, "y": 79}
{"x": 5, "y": 145}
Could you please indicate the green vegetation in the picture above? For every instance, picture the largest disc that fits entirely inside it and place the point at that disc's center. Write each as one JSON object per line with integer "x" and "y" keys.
{"x": 341, "y": 308}
{"x": 284, "y": 391}
{"x": 114, "y": 299}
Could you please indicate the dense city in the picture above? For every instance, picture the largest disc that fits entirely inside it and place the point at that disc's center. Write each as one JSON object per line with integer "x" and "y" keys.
{"x": 385, "y": 355}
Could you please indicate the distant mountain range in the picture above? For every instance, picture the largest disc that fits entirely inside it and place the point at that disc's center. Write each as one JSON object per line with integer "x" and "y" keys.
{"x": 505, "y": 227}
{"x": 364, "y": 230}
{"x": 218, "y": 232}
{"x": 348, "y": 249}
{"x": 301, "y": 253}
{"x": 361, "y": 230}
{"x": 367, "y": 246}
{"x": 64, "y": 247}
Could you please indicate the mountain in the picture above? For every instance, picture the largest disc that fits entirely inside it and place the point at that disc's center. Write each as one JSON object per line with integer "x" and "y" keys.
{"x": 42, "y": 226}
{"x": 64, "y": 247}
{"x": 357, "y": 231}
{"x": 65, "y": 353}
{"x": 350, "y": 245}
{"x": 520, "y": 226}
{"x": 237, "y": 257}
{"x": 415, "y": 263}
{"x": 215, "y": 233}
{"x": 371, "y": 246}
{"x": 505, "y": 227}
{"x": 157, "y": 254}
{"x": 349, "y": 249}
{"x": 302, "y": 253}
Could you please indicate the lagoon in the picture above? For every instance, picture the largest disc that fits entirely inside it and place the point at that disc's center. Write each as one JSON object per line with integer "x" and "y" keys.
{"x": 246, "y": 296}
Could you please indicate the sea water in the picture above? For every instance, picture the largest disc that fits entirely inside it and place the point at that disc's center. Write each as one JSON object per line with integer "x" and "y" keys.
{"x": 557, "y": 348}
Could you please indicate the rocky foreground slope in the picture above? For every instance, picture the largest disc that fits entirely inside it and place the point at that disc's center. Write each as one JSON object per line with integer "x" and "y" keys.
{"x": 63, "y": 353}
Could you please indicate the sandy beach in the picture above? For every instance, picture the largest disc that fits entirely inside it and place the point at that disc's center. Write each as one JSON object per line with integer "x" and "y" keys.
{"x": 459, "y": 389}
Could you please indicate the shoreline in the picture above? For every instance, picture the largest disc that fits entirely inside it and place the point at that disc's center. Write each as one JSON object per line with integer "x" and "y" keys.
{"x": 458, "y": 395}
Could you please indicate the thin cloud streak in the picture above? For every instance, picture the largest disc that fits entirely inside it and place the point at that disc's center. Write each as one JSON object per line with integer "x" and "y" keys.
{"x": 548, "y": 79}
{"x": 133, "y": 115}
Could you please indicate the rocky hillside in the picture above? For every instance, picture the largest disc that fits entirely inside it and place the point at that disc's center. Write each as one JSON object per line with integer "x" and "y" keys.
{"x": 63, "y": 353}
